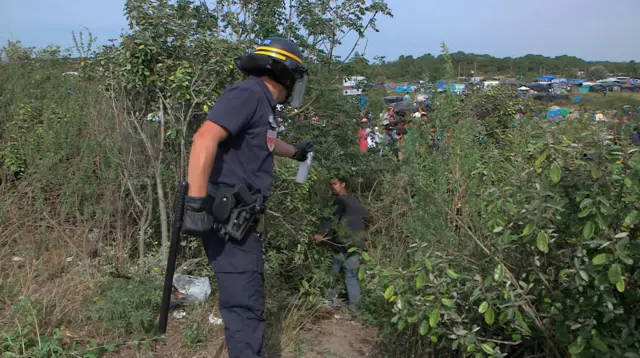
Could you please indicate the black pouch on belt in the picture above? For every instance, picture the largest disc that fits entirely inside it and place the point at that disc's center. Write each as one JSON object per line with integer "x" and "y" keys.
{"x": 235, "y": 209}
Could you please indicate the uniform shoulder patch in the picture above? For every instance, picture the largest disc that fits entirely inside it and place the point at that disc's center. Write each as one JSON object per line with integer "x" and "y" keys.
{"x": 272, "y": 138}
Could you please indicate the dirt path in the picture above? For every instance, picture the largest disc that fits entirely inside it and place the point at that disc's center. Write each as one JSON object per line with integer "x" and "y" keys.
{"x": 329, "y": 336}
{"x": 338, "y": 338}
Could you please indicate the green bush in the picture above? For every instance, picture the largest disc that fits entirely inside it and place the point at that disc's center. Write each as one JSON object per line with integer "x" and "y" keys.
{"x": 524, "y": 247}
{"x": 26, "y": 337}
{"x": 127, "y": 306}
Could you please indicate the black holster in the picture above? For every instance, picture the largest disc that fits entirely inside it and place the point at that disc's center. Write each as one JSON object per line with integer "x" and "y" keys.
{"x": 235, "y": 209}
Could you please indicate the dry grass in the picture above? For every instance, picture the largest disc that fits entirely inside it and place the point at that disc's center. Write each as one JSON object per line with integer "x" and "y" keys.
{"x": 43, "y": 266}
{"x": 55, "y": 273}
{"x": 39, "y": 265}
{"x": 284, "y": 329}
{"x": 285, "y": 324}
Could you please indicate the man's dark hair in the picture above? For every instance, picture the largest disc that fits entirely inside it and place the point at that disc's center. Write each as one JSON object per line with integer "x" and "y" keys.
{"x": 401, "y": 130}
{"x": 341, "y": 179}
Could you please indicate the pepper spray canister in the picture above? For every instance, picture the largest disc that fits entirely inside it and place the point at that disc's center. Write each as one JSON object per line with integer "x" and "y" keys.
{"x": 303, "y": 169}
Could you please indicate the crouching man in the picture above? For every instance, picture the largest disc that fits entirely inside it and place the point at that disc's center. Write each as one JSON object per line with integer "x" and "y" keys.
{"x": 345, "y": 231}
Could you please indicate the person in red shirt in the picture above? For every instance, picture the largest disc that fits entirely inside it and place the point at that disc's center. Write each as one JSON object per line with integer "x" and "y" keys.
{"x": 362, "y": 135}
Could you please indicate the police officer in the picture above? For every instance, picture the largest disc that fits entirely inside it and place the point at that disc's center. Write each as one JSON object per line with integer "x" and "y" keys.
{"x": 236, "y": 146}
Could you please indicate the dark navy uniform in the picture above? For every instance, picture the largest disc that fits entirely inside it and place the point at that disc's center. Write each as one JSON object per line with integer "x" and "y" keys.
{"x": 244, "y": 160}
{"x": 247, "y": 111}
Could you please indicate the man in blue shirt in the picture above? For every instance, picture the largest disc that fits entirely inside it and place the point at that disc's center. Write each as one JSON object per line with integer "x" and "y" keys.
{"x": 363, "y": 99}
{"x": 234, "y": 148}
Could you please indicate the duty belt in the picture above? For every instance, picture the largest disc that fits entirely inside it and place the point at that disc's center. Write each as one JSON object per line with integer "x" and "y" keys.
{"x": 234, "y": 209}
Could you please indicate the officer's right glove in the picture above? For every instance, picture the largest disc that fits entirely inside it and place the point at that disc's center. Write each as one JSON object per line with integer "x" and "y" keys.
{"x": 197, "y": 221}
{"x": 302, "y": 150}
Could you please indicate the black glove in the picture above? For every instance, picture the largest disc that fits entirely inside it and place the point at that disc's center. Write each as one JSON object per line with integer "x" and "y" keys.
{"x": 197, "y": 220}
{"x": 302, "y": 150}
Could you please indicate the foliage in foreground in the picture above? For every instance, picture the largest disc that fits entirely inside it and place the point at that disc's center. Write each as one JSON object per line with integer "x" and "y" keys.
{"x": 522, "y": 248}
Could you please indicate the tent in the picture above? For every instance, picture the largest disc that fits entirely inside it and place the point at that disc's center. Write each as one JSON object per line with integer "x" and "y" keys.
{"x": 539, "y": 87}
{"x": 408, "y": 88}
{"x": 583, "y": 89}
{"x": 458, "y": 87}
{"x": 556, "y": 113}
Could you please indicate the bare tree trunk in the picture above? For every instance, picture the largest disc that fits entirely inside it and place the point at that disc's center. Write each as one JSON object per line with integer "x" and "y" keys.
{"x": 164, "y": 220}
{"x": 147, "y": 216}
{"x": 183, "y": 152}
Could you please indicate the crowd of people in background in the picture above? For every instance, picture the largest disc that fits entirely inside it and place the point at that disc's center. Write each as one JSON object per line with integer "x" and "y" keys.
{"x": 397, "y": 125}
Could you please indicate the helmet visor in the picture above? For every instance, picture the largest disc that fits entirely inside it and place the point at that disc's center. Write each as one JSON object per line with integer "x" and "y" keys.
{"x": 296, "y": 96}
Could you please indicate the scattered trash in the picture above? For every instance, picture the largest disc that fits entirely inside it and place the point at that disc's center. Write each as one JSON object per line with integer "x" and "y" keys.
{"x": 17, "y": 259}
{"x": 215, "y": 320}
{"x": 198, "y": 288}
{"x": 179, "y": 314}
{"x": 69, "y": 259}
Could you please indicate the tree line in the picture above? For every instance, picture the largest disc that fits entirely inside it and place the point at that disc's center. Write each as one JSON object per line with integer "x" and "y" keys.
{"x": 429, "y": 67}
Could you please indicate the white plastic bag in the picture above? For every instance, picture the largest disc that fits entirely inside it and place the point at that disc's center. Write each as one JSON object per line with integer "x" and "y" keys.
{"x": 193, "y": 287}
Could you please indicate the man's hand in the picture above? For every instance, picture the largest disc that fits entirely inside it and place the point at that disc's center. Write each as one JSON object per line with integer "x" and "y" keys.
{"x": 197, "y": 221}
{"x": 286, "y": 150}
{"x": 302, "y": 150}
{"x": 318, "y": 238}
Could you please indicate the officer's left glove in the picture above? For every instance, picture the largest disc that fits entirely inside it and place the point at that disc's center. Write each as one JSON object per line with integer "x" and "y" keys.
{"x": 302, "y": 150}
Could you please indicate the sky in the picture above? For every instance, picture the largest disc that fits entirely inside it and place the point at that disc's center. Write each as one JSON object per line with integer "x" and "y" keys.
{"x": 594, "y": 30}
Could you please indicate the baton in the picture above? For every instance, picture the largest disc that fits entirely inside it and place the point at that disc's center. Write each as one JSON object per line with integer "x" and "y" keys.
{"x": 176, "y": 230}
